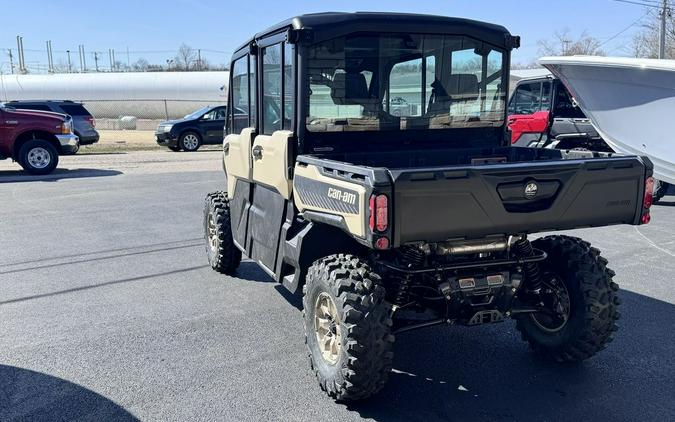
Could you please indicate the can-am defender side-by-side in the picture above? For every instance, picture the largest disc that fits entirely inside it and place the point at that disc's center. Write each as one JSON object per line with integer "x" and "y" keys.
{"x": 372, "y": 171}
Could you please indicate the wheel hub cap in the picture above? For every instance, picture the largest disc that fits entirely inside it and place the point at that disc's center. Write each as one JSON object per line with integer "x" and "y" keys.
{"x": 39, "y": 158}
{"x": 190, "y": 141}
{"x": 327, "y": 328}
{"x": 557, "y": 299}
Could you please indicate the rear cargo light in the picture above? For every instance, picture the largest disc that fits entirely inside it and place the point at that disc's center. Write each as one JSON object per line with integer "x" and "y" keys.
{"x": 379, "y": 213}
{"x": 382, "y": 243}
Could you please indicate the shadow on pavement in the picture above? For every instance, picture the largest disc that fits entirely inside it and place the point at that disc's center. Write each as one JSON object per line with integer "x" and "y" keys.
{"x": 32, "y": 396}
{"x": 488, "y": 374}
{"x": 107, "y": 283}
{"x": 58, "y": 174}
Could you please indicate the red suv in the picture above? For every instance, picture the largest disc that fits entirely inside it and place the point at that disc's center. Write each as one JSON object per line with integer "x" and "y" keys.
{"x": 34, "y": 139}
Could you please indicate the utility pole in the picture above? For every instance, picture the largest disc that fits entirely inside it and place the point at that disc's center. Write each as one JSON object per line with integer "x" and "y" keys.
{"x": 50, "y": 61}
{"x": 84, "y": 59}
{"x": 662, "y": 32}
{"x": 128, "y": 61}
{"x": 199, "y": 59}
{"x": 96, "y": 60}
{"x": 70, "y": 67}
{"x": 79, "y": 53}
{"x": 114, "y": 61}
{"x": 19, "y": 47}
{"x": 11, "y": 60}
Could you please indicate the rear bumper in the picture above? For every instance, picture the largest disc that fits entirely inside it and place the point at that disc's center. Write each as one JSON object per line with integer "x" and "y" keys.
{"x": 68, "y": 142}
{"x": 89, "y": 139}
{"x": 166, "y": 139}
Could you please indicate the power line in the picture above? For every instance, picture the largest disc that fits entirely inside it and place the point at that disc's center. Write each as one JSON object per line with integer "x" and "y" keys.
{"x": 641, "y": 3}
{"x": 626, "y": 28}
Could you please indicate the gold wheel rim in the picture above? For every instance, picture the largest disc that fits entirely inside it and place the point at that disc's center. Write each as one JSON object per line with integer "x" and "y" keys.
{"x": 327, "y": 328}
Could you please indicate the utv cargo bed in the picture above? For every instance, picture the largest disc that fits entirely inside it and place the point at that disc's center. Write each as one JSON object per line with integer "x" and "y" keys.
{"x": 500, "y": 191}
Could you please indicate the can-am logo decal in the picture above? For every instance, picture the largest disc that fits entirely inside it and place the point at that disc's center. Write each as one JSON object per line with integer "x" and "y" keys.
{"x": 531, "y": 190}
{"x": 326, "y": 196}
{"x": 344, "y": 196}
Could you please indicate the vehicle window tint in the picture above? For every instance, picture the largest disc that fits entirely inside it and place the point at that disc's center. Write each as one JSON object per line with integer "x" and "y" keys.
{"x": 565, "y": 107}
{"x": 271, "y": 86}
{"x": 74, "y": 109}
{"x": 33, "y": 107}
{"x": 211, "y": 115}
{"x": 289, "y": 86}
{"x": 545, "y": 97}
{"x": 220, "y": 114}
{"x": 527, "y": 98}
{"x": 240, "y": 97}
{"x": 495, "y": 98}
{"x": 253, "y": 87}
{"x": 404, "y": 101}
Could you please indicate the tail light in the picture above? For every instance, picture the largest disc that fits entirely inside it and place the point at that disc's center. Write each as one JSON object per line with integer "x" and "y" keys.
{"x": 379, "y": 213}
{"x": 379, "y": 219}
{"x": 648, "y": 200}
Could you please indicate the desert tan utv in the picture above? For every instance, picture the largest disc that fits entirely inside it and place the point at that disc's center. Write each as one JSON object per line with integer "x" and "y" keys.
{"x": 369, "y": 169}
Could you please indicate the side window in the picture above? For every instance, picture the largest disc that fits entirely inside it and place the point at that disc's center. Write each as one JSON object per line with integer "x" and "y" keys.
{"x": 545, "y": 97}
{"x": 220, "y": 114}
{"x": 239, "y": 108}
{"x": 34, "y": 107}
{"x": 404, "y": 101}
{"x": 271, "y": 89}
{"x": 564, "y": 106}
{"x": 253, "y": 88}
{"x": 289, "y": 86}
{"x": 527, "y": 98}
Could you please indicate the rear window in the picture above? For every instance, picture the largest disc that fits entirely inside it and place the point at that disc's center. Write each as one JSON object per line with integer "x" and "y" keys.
{"x": 74, "y": 109}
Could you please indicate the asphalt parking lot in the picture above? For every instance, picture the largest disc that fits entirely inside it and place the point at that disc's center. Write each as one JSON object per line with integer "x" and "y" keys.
{"x": 108, "y": 311}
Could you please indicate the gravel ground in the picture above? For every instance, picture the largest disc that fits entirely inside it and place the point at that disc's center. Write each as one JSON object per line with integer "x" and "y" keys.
{"x": 108, "y": 311}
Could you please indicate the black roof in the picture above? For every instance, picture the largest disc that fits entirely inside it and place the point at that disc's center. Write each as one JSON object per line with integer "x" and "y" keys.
{"x": 332, "y": 24}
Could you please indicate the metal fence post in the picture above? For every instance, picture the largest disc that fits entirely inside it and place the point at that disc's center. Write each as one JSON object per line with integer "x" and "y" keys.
{"x": 166, "y": 110}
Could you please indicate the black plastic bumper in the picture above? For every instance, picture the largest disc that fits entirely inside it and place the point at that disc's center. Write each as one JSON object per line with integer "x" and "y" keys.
{"x": 166, "y": 140}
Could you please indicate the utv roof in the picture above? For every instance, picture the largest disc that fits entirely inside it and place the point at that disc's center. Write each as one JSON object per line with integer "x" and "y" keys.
{"x": 333, "y": 24}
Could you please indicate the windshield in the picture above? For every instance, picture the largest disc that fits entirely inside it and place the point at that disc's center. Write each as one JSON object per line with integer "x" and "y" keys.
{"x": 404, "y": 81}
{"x": 198, "y": 113}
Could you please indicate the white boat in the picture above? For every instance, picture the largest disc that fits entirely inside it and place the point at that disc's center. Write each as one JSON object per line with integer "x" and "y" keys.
{"x": 631, "y": 102}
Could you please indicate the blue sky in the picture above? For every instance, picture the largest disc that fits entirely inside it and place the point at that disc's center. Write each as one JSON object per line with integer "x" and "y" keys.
{"x": 154, "y": 29}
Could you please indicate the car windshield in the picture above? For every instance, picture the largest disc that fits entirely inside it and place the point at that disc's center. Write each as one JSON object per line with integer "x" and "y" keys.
{"x": 197, "y": 114}
{"x": 404, "y": 81}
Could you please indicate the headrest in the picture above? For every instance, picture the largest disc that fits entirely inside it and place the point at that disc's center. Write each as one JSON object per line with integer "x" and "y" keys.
{"x": 463, "y": 86}
{"x": 349, "y": 88}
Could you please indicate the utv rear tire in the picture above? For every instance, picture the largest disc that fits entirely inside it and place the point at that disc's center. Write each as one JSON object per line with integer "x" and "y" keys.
{"x": 363, "y": 357}
{"x": 38, "y": 157}
{"x": 222, "y": 253}
{"x": 593, "y": 302}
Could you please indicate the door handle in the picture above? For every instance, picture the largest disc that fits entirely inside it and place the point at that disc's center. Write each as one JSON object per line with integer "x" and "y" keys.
{"x": 257, "y": 152}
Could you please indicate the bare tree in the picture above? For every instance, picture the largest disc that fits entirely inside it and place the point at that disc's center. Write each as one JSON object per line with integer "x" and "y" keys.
{"x": 141, "y": 65}
{"x": 563, "y": 44}
{"x": 185, "y": 57}
{"x": 646, "y": 41}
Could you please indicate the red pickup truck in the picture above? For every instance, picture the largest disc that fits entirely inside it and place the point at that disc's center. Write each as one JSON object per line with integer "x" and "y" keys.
{"x": 34, "y": 139}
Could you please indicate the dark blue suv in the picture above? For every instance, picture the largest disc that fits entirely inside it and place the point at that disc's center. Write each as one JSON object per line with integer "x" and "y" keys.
{"x": 203, "y": 126}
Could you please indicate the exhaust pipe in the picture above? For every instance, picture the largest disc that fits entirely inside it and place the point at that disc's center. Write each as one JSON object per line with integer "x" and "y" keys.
{"x": 474, "y": 246}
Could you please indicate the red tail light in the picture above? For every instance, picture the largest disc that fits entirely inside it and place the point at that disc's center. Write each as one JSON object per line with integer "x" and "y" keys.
{"x": 649, "y": 192}
{"x": 648, "y": 200}
{"x": 379, "y": 213}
